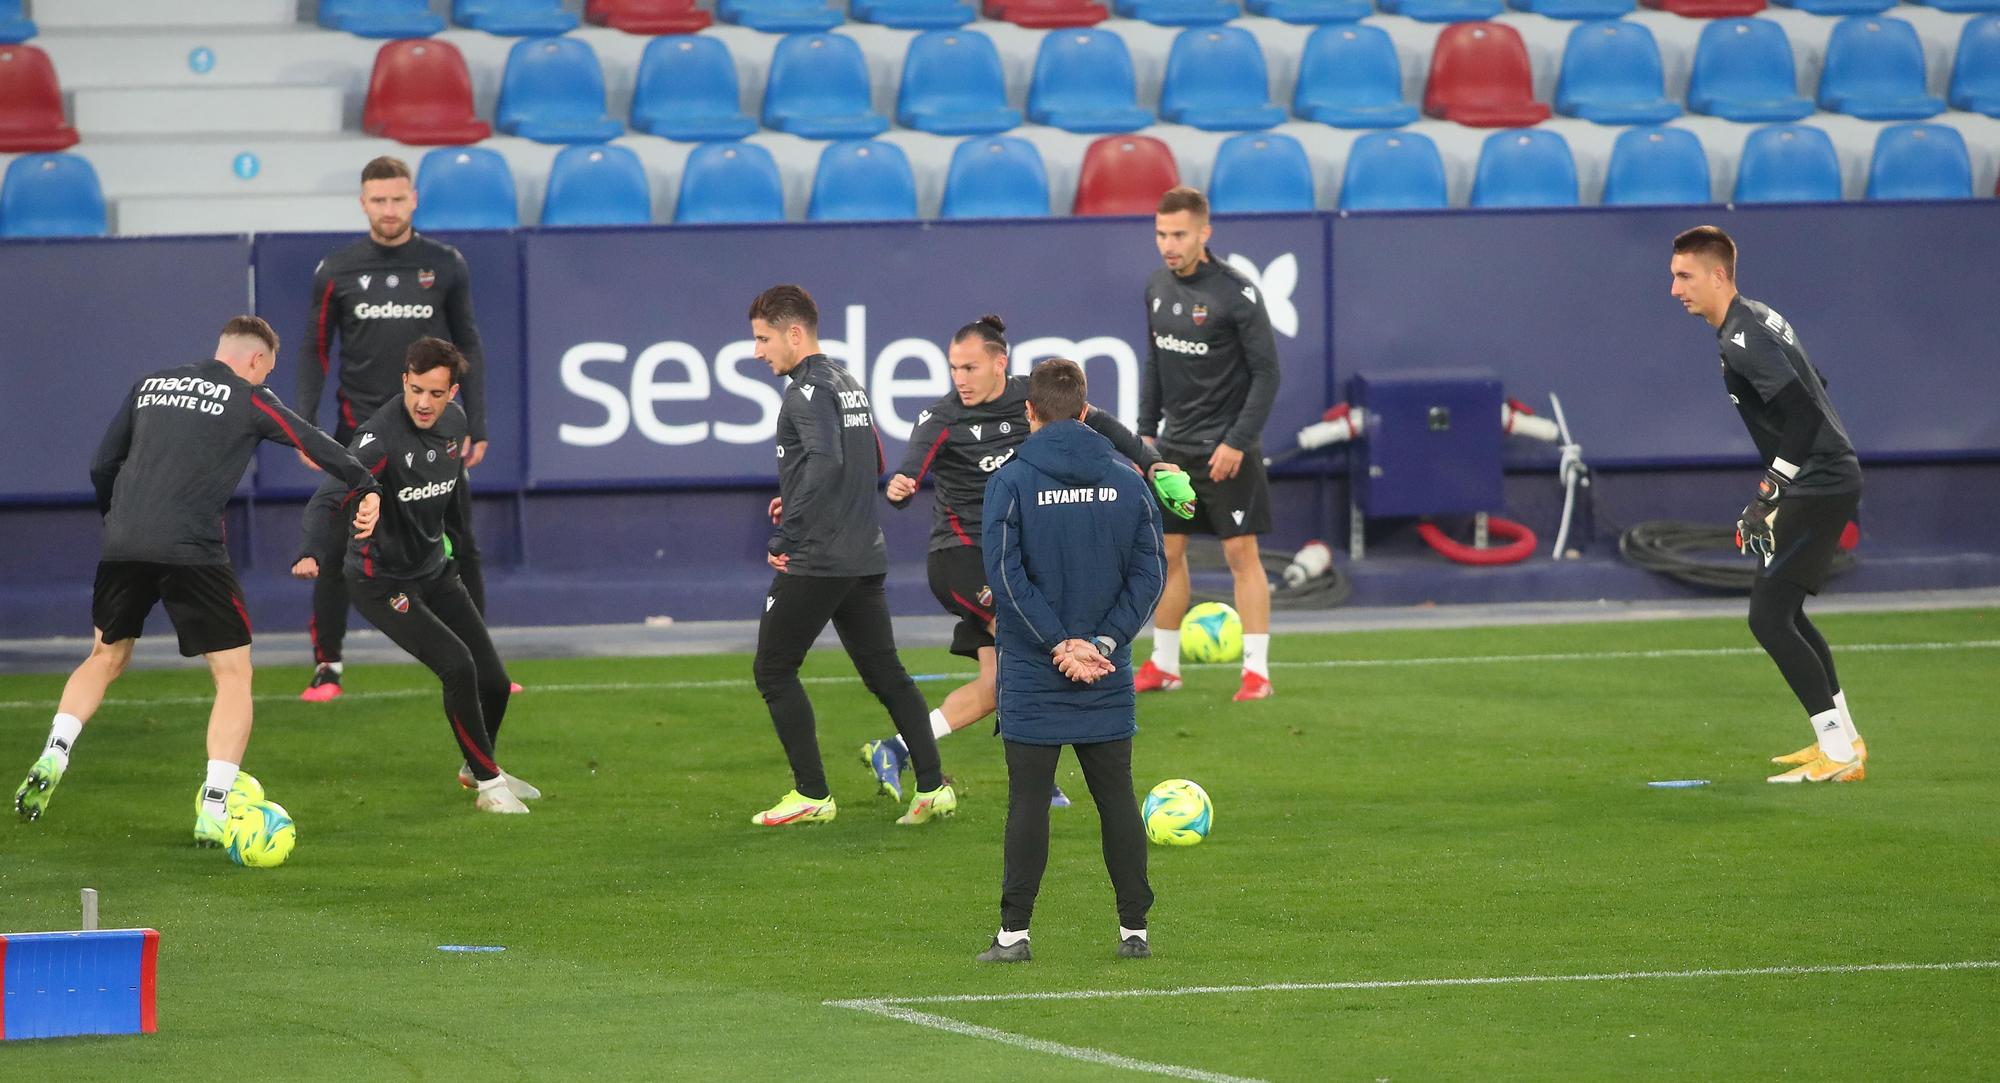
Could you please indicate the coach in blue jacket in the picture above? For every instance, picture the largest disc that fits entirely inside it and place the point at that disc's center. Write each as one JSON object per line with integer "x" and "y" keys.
{"x": 1072, "y": 549}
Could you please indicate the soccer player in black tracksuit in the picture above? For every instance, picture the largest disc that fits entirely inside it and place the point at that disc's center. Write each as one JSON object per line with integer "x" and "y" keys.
{"x": 961, "y": 440}
{"x": 379, "y": 295}
{"x": 826, "y": 547}
{"x": 401, "y": 579}
{"x": 1212, "y": 377}
{"x": 1809, "y": 493}
{"x": 163, "y": 474}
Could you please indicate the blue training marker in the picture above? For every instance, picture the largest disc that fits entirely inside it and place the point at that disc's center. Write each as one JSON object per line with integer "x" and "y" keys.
{"x": 470, "y": 947}
{"x": 1678, "y": 783}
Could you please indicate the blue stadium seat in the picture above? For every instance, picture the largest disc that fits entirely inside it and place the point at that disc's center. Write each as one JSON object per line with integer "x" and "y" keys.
{"x": 914, "y": 14}
{"x": 1349, "y": 77}
{"x": 1611, "y": 74}
{"x": 953, "y": 85}
{"x": 1975, "y": 74}
{"x": 1920, "y": 161}
{"x": 1525, "y": 167}
{"x": 779, "y": 16}
{"x": 1657, "y": 166}
{"x": 1875, "y": 71}
{"x": 1083, "y": 83}
{"x": 730, "y": 182}
{"x": 1964, "y": 6}
{"x": 1310, "y": 12}
{"x": 380, "y": 18}
{"x": 597, "y": 186}
{"x": 1575, "y": 9}
{"x": 1743, "y": 71}
{"x": 51, "y": 195}
{"x": 1393, "y": 171}
{"x": 686, "y": 90}
{"x": 1442, "y": 11}
{"x": 818, "y": 88}
{"x": 514, "y": 18}
{"x": 1179, "y": 12}
{"x": 1838, "y": 7}
{"x": 465, "y": 188}
{"x": 1001, "y": 177}
{"x": 553, "y": 92}
{"x": 1788, "y": 163}
{"x": 14, "y": 26}
{"x": 1216, "y": 81}
{"x": 863, "y": 180}
{"x": 1258, "y": 172}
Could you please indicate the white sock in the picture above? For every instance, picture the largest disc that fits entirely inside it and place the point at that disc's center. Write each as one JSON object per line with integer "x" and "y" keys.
{"x": 1007, "y": 938}
{"x": 336, "y": 667}
{"x": 62, "y": 736}
{"x": 1257, "y": 653}
{"x": 1833, "y": 744}
{"x": 215, "y": 789}
{"x": 1167, "y": 650}
{"x": 493, "y": 783}
{"x": 939, "y": 726}
{"x": 1846, "y": 716}
{"x": 1127, "y": 934}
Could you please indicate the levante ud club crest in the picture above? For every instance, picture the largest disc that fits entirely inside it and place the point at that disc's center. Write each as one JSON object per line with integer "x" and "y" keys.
{"x": 400, "y": 603}
{"x": 425, "y": 278}
{"x": 1200, "y": 315}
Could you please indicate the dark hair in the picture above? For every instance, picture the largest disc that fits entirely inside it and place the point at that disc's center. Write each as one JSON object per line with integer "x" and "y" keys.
{"x": 1057, "y": 390}
{"x": 385, "y": 168}
{"x": 989, "y": 330}
{"x": 1711, "y": 243}
{"x": 783, "y": 306}
{"x": 252, "y": 327}
{"x": 1182, "y": 198}
{"x": 430, "y": 352}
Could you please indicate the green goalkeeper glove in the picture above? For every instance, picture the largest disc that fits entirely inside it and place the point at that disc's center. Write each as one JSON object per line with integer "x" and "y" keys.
{"x": 1175, "y": 492}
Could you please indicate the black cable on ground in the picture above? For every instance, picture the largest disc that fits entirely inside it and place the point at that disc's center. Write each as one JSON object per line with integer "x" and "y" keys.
{"x": 1699, "y": 554}
{"x": 1320, "y": 592}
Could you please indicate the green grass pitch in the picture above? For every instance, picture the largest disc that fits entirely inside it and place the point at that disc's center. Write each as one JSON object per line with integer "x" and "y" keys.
{"x": 1406, "y": 808}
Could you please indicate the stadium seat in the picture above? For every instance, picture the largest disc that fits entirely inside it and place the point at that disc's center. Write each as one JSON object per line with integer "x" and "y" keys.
{"x": 31, "y": 109}
{"x": 1124, "y": 174}
{"x": 1349, "y": 77}
{"x": 686, "y": 90}
{"x": 1743, "y": 71}
{"x": 1657, "y": 166}
{"x": 1216, "y": 81}
{"x": 1963, "y": 6}
{"x": 1261, "y": 172}
{"x": 1920, "y": 161}
{"x": 1083, "y": 83}
{"x": 465, "y": 188}
{"x": 1575, "y": 9}
{"x": 599, "y": 185}
{"x": 1048, "y": 14}
{"x": 1611, "y": 74}
{"x": 1311, "y": 12}
{"x": 863, "y": 180}
{"x": 818, "y": 88}
{"x": 953, "y": 85}
{"x": 779, "y": 16}
{"x": 1393, "y": 171}
{"x": 1875, "y": 70}
{"x": 1442, "y": 11}
{"x": 1179, "y": 12}
{"x": 730, "y": 182}
{"x": 648, "y": 16}
{"x": 1788, "y": 163}
{"x": 1000, "y": 177}
{"x": 1525, "y": 168}
{"x": 51, "y": 195}
{"x": 553, "y": 92}
{"x": 1708, "y": 9}
{"x": 421, "y": 93}
{"x": 380, "y": 18}
{"x": 1838, "y": 7}
{"x": 14, "y": 26}
{"x": 914, "y": 14}
{"x": 1480, "y": 78}
{"x": 514, "y": 18}
{"x": 1975, "y": 73}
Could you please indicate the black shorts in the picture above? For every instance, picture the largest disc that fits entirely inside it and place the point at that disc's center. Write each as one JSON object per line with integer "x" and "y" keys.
{"x": 958, "y": 581}
{"x": 203, "y": 601}
{"x": 1226, "y": 509}
{"x": 1807, "y": 535}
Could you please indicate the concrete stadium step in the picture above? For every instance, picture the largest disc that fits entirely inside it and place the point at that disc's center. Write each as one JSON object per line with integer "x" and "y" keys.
{"x": 156, "y": 111}
{"x": 97, "y": 14}
{"x": 231, "y": 214}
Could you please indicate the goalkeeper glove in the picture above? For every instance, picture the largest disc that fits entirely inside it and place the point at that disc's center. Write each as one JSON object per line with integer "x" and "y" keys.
{"x": 1754, "y": 535}
{"x": 1175, "y": 492}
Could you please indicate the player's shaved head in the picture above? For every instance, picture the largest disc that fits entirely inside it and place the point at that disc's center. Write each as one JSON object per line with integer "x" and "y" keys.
{"x": 249, "y": 347}
{"x": 252, "y": 327}
{"x": 1711, "y": 244}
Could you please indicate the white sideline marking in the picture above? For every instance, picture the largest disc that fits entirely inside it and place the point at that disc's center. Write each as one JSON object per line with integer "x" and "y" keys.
{"x": 1321, "y": 663}
{"x": 894, "y": 1007}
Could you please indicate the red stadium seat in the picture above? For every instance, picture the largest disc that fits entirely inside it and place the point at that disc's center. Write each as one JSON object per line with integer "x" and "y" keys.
{"x": 1047, "y": 14}
{"x": 648, "y": 16}
{"x": 31, "y": 111}
{"x": 1125, "y": 174}
{"x": 1708, "y": 9}
{"x": 1480, "y": 78}
{"x": 421, "y": 93}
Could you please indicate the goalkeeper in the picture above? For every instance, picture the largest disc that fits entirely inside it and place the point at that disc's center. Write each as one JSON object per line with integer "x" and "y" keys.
{"x": 1810, "y": 492}
{"x": 960, "y": 441}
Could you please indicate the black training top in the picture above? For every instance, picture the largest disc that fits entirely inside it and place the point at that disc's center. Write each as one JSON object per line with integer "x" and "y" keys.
{"x": 419, "y": 470}
{"x": 963, "y": 445}
{"x": 1783, "y": 401}
{"x": 828, "y": 461}
{"x": 176, "y": 451}
{"x": 378, "y": 300}
{"x": 1213, "y": 368}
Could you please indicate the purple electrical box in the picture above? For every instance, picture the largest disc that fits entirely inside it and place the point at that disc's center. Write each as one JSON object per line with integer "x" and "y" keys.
{"x": 1430, "y": 442}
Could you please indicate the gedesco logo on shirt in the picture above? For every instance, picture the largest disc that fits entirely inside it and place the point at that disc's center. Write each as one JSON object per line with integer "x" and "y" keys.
{"x": 1176, "y": 344}
{"x": 410, "y": 493}
{"x": 390, "y": 310}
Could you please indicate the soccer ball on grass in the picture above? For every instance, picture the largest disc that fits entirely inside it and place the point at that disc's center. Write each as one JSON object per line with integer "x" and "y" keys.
{"x": 1211, "y": 632}
{"x": 259, "y": 834}
{"x": 1177, "y": 813}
